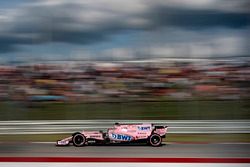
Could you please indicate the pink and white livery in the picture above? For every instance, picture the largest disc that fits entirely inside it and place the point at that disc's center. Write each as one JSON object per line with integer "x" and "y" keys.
{"x": 119, "y": 133}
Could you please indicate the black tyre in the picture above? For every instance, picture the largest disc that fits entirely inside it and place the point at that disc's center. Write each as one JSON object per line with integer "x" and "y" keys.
{"x": 78, "y": 140}
{"x": 155, "y": 140}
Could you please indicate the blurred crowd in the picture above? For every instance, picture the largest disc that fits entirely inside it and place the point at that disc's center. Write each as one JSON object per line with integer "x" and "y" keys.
{"x": 125, "y": 81}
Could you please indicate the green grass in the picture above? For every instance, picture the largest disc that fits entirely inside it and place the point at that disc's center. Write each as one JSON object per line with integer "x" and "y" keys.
{"x": 172, "y": 110}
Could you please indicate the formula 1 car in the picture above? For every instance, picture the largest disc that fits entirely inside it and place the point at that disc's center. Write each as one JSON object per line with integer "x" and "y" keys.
{"x": 119, "y": 133}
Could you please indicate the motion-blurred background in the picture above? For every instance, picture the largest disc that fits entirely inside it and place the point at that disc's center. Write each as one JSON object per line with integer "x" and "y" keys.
{"x": 125, "y": 60}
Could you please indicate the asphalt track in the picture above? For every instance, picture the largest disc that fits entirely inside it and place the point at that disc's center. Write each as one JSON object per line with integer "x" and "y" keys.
{"x": 226, "y": 150}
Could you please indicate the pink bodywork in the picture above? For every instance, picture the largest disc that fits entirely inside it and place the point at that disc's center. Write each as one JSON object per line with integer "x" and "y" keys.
{"x": 136, "y": 132}
{"x": 121, "y": 133}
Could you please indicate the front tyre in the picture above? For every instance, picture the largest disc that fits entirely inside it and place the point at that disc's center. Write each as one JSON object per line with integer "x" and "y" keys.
{"x": 155, "y": 140}
{"x": 78, "y": 140}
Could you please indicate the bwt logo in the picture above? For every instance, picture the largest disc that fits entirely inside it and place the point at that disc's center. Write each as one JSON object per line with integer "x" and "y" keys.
{"x": 144, "y": 128}
{"x": 121, "y": 137}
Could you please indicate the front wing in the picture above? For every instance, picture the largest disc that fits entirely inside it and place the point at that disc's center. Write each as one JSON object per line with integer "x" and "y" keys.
{"x": 64, "y": 142}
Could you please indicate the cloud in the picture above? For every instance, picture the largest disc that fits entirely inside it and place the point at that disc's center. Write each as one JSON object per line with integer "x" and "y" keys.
{"x": 90, "y": 22}
{"x": 239, "y": 6}
{"x": 81, "y": 22}
{"x": 180, "y": 43}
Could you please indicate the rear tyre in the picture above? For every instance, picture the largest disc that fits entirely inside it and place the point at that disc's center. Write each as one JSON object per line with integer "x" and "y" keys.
{"x": 155, "y": 140}
{"x": 78, "y": 140}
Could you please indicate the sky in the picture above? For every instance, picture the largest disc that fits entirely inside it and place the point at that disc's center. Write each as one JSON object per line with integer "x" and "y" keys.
{"x": 38, "y": 30}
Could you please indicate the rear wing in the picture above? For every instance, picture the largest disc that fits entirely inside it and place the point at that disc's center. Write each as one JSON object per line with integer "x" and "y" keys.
{"x": 161, "y": 128}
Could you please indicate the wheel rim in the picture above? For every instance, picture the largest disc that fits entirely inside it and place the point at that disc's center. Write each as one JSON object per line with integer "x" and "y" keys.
{"x": 78, "y": 139}
{"x": 155, "y": 140}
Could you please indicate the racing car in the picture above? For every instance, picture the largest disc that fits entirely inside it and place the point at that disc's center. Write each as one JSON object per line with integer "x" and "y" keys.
{"x": 119, "y": 133}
